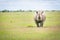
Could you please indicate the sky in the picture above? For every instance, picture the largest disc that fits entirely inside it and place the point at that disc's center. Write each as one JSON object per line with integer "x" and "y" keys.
{"x": 30, "y": 4}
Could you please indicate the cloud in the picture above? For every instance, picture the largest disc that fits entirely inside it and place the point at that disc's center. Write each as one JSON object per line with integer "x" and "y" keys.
{"x": 29, "y": 4}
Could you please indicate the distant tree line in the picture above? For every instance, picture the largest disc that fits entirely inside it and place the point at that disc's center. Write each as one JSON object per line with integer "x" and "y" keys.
{"x": 16, "y": 10}
{"x": 5, "y": 11}
{"x": 26, "y": 10}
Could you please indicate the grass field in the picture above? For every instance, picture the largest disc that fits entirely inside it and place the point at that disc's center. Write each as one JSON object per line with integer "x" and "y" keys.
{"x": 21, "y": 26}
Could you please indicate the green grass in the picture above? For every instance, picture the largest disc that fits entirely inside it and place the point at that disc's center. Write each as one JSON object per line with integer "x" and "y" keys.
{"x": 18, "y": 19}
{"x": 52, "y": 18}
{"x": 31, "y": 34}
{"x": 15, "y": 26}
{"x": 24, "y": 19}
